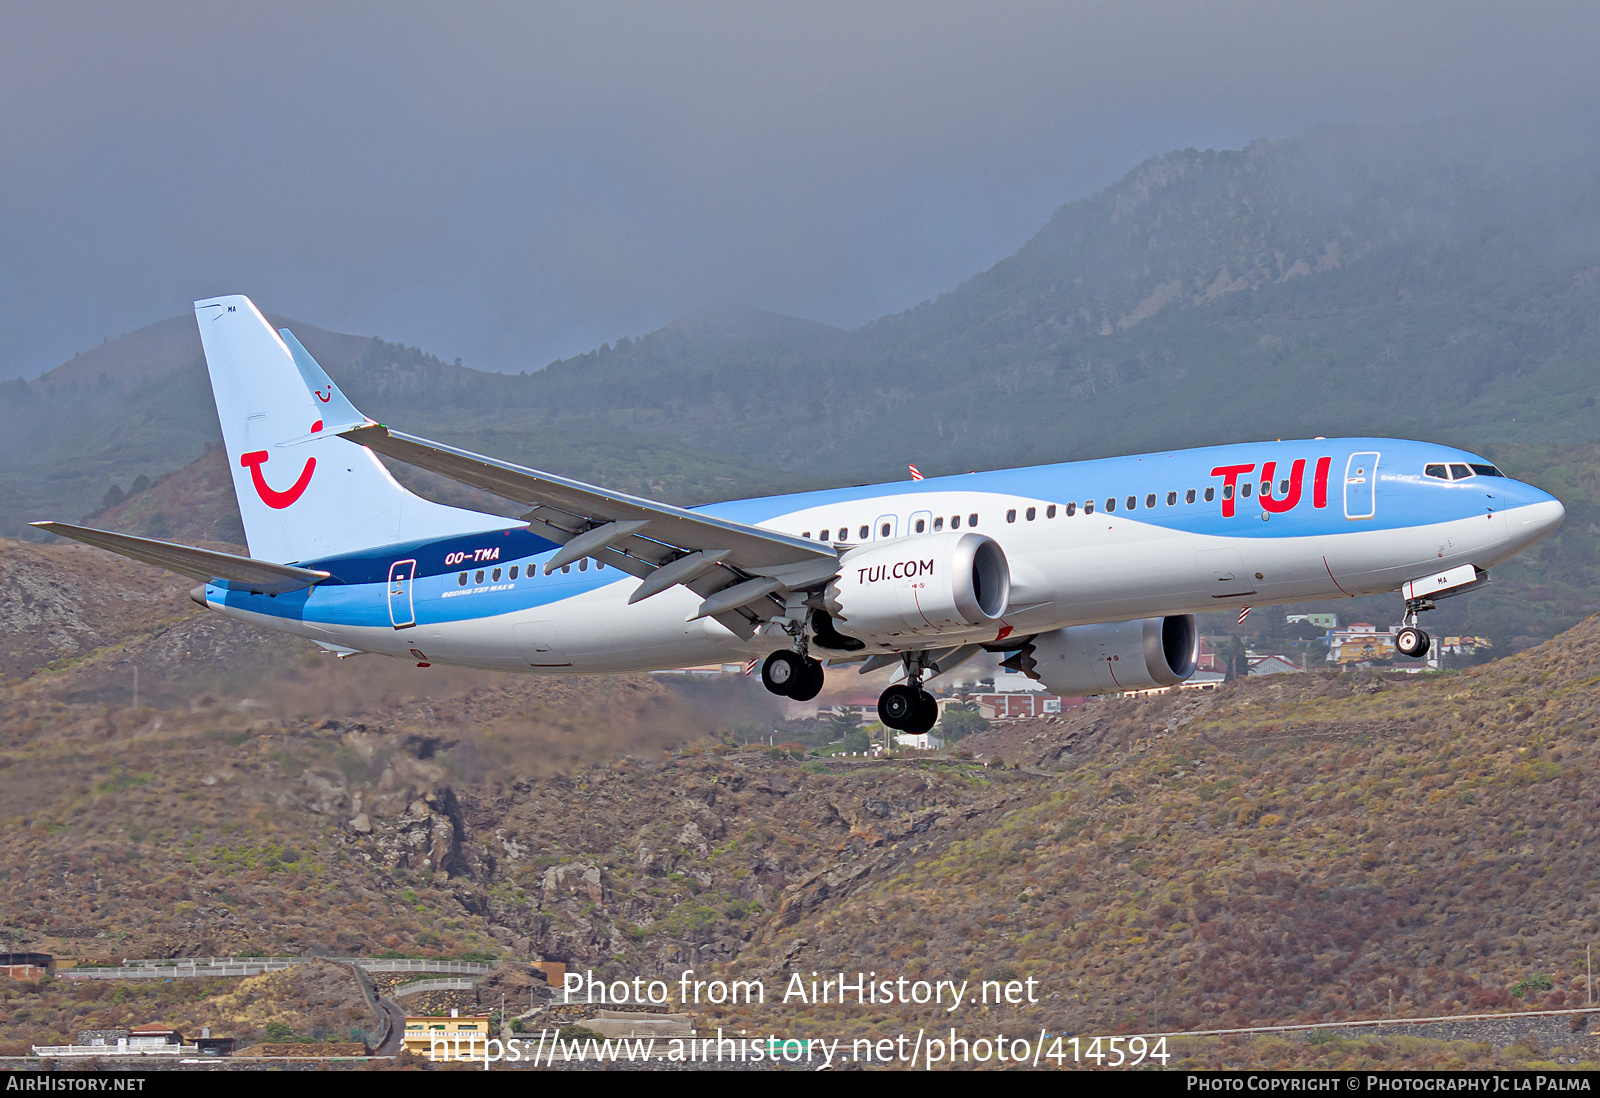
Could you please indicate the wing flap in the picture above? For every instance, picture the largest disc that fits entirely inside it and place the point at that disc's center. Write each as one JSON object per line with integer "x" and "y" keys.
{"x": 200, "y": 564}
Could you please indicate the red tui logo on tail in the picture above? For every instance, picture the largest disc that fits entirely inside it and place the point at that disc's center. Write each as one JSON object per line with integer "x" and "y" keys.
{"x": 270, "y": 495}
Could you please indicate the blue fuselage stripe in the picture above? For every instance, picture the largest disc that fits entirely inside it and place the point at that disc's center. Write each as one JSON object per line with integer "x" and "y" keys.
{"x": 454, "y": 578}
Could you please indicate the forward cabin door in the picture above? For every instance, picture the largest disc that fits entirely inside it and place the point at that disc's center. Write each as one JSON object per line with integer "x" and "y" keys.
{"x": 402, "y": 612}
{"x": 1361, "y": 486}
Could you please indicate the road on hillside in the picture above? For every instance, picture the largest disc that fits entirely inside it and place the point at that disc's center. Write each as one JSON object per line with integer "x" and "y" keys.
{"x": 397, "y": 1029}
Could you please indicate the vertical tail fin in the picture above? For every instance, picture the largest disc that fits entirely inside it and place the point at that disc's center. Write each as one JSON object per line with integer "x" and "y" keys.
{"x": 303, "y": 492}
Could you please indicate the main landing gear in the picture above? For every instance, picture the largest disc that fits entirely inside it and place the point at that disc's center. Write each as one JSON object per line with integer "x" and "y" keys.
{"x": 792, "y": 675}
{"x": 906, "y": 707}
{"x": 909, "y": 709}
{"x": 1411, "y": 640}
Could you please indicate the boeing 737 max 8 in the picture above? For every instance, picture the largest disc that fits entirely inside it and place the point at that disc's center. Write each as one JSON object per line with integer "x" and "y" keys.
{"x": 1086, "y": 574}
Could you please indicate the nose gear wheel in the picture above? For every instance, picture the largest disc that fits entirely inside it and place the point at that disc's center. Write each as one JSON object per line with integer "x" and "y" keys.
{"x": 1412, "y": 642}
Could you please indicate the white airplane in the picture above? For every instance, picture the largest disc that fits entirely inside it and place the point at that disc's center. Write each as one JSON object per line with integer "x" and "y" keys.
{"x": 1086, "y": 574}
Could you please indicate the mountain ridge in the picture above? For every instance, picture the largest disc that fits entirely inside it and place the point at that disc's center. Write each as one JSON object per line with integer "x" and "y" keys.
{"x": 1433, "y": 281}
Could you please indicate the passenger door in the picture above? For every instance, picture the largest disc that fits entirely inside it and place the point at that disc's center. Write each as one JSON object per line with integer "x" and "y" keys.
{"x": 402, "y": 610}
{"x": 1361, "y": 485}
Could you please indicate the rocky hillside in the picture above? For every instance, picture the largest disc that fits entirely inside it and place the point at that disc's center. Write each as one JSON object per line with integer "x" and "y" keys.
{"x": 1291, "y": 849}
{"x": 313, "y": 1001}
{"x": 1297, "y": 848}
{"x": 63, "y": 601}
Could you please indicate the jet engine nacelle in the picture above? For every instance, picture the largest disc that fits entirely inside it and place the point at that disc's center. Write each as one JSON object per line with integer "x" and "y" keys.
{"x": 920, "y": 586}
{"x": 1107, "y": 659}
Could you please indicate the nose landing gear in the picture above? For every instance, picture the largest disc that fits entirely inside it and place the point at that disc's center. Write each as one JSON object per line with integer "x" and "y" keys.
{"x": 1411, "y": 640}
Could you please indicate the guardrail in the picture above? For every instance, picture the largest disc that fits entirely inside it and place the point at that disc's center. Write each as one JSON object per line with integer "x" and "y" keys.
{"x": 212, "y": 962}
{"x": 199, "y": 967}
{"x": 115, "y": 1050}
{"x": 419, "y": 986}
{"x": 475, "y": 968}
{"x": 174, "y": 972}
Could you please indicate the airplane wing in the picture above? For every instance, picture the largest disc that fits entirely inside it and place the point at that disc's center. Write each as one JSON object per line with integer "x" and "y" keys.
{"x": 741, "y": 572}
{"x": 200, "y": 564}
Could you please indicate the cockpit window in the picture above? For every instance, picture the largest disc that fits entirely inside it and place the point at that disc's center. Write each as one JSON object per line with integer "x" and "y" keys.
{"x": 1486, "y": 470}
{"x": 1460, "y": 472}
{"x": 1437, "y": 471}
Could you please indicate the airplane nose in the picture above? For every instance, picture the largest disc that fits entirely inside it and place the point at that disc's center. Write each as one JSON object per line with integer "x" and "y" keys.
{"x": 1530, "y": 522}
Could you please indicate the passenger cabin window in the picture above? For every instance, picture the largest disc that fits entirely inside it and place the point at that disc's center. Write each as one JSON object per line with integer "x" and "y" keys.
{"x": 583, "y": 565}
{"x": 938, "y": 523}
{"x": 955, "y": 522}
{"x": 864, "y": 531}
{"x": 1283, "y": 488}
{"x": 495, "y": 576}
{"x": 1460, "y": 472}
{"x": 1088, "y": 506}
{"x": 972, "y": 520}
{"x": 1188, "y": 497}
{"x": 565, "y": 568}
{"x": 1244, "y": 489}
{"x": 807, "y": 534}
{"x": 1172, "y": 499}
{"x": 462, "y": 579}
{"x": 514, "y": 569}
{"x": 922, "y": 524}
{"x": 479, "y": 577}
{"x": 883, "y": 531}
{"x": 1111, "y": 504}
{"x": 1438, "y": 472}
{"x": 1050, "y": 511}
{"x": 1132, "y": 501}
{"x": 1072, "y": 509}
{"x": 1032, "y": 513}
{"x": 1011, "y": 515}
{"x": 1150, "y": 500}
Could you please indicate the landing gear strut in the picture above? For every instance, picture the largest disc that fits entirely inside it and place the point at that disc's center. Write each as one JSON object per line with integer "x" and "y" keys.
{"x": 906, "y": 707}
{"x": 1411, "y": 640}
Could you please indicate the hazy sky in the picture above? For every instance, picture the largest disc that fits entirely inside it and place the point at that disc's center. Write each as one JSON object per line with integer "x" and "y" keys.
{"x": 515, "y": 183}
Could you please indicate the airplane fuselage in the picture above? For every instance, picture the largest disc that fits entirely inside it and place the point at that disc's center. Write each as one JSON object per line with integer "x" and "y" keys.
{"x": 1111, "y": 539}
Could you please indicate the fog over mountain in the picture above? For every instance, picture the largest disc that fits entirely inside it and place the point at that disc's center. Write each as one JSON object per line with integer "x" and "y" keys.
{"x": 1432, "y": 280}
{"x": 515, "y": 184}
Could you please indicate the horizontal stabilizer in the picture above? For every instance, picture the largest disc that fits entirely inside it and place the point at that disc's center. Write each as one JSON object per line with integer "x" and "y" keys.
{"x": 200, "y": 564}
